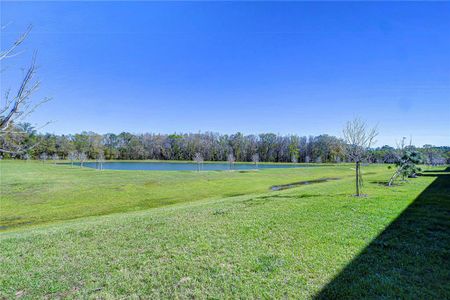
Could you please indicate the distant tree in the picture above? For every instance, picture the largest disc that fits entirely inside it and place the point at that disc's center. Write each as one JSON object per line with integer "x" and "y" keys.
{"x": 55, "y": 158}
{"x": 43, "y": 157}
{"x": 230, "y": 160}
{"x": 212, "y": 146}
{"x": 294, "y": 148}
{"x": 73, "y": 155}
{"x": 237, "y": 144}
{"x": 110, "y": 142}
{"x": 389, "y": 154}
{"x": 95, "y": 145}
{"x": 325, "y": 147}
{"x": 26, "y": 157}
{"x": 438, "y": 159}
{"x": 63, "y": 146}
{"x": 82, "y": 157}
{"x": 435, "y": 155}
{"x": 429, "y": 151}
{"x": 100, "y": 160}
{"x": 359, "y": 138}
{"x": 255, "y": 159}
{"x": 198, "y": 158}
{"x": 267, "y": 146}
{"x": 81, "y": 142}
{"x": 319, "y": 160}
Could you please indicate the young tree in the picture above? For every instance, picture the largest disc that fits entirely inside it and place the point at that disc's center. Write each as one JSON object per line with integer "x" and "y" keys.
{"x": 255, "y": 159}
{"x": 198, "y": 158}
{"x": 43, "y": 157}
{"x": 100, "y": 160}
{"x": 73, "y": 155}
{"x": 55, "y": 158}
{"x": 230, "y": 160}
{"x": 82, "y": 157}
{"x": 407, "y": 165}
{"x": 358, "y": 139}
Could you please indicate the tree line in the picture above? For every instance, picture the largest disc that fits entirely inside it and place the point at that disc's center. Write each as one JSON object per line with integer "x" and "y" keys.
{"x": 269, "y": 147}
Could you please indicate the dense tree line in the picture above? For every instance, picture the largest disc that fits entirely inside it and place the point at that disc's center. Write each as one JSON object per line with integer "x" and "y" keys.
{"x": 432, "y": 155}
{"x": 270, "y": 147}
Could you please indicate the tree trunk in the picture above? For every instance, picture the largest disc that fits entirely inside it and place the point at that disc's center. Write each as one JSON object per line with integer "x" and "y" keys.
{"x": 397, "y": 172}
{"x": 357, "y": 179}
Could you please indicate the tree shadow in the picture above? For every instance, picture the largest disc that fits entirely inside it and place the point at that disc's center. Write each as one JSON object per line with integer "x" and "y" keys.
{"x": 435, "y": 171}
{"x": 409, "y": 259}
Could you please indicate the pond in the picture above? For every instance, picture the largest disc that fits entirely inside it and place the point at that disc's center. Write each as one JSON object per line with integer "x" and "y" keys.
{"x": 186, "y": 166}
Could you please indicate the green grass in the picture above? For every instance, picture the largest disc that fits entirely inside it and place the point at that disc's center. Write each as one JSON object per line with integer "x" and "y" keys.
{"x": 305, "y": 242}
{"x": 34, "y": 193}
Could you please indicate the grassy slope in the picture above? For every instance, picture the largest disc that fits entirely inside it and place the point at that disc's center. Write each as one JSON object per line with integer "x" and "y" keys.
{"x": 33, "y": 193}
{"x": 273, "y": 244}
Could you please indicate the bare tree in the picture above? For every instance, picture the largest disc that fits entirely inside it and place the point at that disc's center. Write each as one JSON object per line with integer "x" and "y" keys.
{"x": 82, "y": 157}
{"x": 73, "y": 155}
{"x": 15, "y": 108}
{"x": 255, "y": 159}
{"x": 359, "y": 138}
{"x": 55, "y": 158}
{"x": 230, "y": 160}
{"x": 198, "y": 158}
{"x": 100, "y": 160}
{"x": 43, "y": 157}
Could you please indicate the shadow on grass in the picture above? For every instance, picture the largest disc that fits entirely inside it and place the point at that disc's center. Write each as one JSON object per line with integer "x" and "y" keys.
{"x": 300, "y": 183}
{"x": 409, "y": 259}
{"x": 435, "y": 171}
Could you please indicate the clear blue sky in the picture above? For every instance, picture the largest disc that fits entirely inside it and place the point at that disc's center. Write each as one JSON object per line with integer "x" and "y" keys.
{"x": 303, "y": 68}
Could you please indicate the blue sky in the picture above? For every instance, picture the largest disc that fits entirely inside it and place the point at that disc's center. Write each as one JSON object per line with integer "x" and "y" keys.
{"x": 283, "y": 67}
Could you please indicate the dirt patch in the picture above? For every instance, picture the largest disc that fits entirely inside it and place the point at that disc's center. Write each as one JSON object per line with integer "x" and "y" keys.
{"x": 300, "y": 183}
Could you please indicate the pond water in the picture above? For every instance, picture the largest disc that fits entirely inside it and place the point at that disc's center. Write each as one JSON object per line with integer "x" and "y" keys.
{"x": 185, "y": 166}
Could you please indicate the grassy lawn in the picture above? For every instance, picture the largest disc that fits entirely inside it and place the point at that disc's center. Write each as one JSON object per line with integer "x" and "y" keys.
{"x": 237, "y": 239}
{"x": 34, "y": 193}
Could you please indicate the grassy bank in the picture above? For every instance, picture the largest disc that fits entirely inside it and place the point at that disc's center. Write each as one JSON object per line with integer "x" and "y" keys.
{"x": 312, "y": 241}
{"x": 34, "y": 193}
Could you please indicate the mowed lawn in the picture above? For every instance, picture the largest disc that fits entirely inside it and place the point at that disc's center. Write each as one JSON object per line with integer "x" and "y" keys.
{"x": 226, "y": 236}
{"x": 34, "y": 193}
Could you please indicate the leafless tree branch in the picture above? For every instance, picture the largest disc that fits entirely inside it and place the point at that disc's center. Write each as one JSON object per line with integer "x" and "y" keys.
{"x": 9, "y": 52}
{"x": 16, "y": 109}
{"x": 359, "y": 138}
